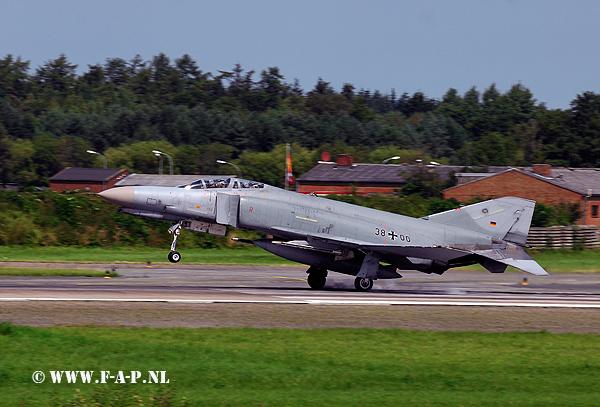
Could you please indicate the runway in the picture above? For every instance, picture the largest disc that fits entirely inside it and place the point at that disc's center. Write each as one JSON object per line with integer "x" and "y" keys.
{"x": 278, "y": 297}
{"x": 287, "y": 285}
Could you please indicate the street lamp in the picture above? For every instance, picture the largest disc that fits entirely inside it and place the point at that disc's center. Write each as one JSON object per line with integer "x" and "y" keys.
{"x": 103, "y": 158}
{"x": 236, "y": 167}
{"x": 396, "y": 157}
{"x": 160, "y": 163}
{"x": 168, "y": 156}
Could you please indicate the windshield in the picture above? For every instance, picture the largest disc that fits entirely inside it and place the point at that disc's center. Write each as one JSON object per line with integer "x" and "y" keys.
{"x": 209, "y": 183}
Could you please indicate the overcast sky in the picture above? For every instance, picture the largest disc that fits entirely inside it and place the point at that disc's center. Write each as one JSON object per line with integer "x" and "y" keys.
{"x": 549, "y": 46}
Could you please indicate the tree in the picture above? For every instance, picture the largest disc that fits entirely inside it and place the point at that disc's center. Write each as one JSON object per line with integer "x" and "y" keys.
{"x": 118, "y": 72}
{"x": 138, "y": 156}
{"x": 57, "y": 76}
{"x": 13, "y": 77}
{"x": 585, "y": 124}
{"x": 188, "y": 70}
{"x": 5, "y": 156}
{"x": 423, "y": 182}
{"x": 45, "y": 159}
{"x": 271, "y": 83}
{"x": 23, "y": 168}
{"x": 418, "y": 103}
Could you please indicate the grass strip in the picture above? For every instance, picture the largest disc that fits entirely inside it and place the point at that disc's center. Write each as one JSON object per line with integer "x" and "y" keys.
{"x": 559, "y": 261}
{"x": 52, "y": 272}
{"x": 253, "y": 256}
{"x": 562, "y": 261}
{"x": 332, "y": 367}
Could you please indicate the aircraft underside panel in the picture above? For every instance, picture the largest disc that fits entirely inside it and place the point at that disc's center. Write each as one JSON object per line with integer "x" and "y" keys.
{"x": 301, "y": 252}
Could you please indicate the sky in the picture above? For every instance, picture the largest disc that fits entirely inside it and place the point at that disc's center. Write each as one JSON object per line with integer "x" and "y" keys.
{"x": 429, "y": 46}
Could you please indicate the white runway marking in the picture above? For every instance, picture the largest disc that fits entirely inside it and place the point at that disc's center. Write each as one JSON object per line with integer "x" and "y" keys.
{"x": 348, "y": 301}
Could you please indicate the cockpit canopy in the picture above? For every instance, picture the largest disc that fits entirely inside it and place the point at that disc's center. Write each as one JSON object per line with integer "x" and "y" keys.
{"x": 210, "y": 183}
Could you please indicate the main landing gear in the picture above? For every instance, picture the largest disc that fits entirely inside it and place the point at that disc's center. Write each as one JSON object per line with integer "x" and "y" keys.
{"x": 363, "y": 284}
{"x": 317, "y": 277}
{"x": 175, "y": 230}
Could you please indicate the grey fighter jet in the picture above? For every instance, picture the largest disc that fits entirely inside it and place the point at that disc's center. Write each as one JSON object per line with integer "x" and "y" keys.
{"x": 335, "y": 236}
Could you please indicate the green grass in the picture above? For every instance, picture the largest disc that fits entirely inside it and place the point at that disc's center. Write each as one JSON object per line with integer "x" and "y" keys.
{"x": 553, "y": 261}
{"x": 336, "y": 367}
{"x": 570, "y": 261}
{"x": 562, "y": 261}
{"x": 246, "y": 255}
{"x": 52, "y": 272}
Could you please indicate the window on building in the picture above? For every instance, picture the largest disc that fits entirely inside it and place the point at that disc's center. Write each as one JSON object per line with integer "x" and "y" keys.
{"x": 594, "y": 211}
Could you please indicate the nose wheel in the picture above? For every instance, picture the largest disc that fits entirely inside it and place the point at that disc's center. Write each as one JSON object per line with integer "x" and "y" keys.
{"x": 174, "y": 257}
{"x": 175, "y": 230}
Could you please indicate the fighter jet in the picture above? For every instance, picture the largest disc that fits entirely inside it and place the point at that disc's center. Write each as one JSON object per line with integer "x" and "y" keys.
{"x": 335, "y": 236}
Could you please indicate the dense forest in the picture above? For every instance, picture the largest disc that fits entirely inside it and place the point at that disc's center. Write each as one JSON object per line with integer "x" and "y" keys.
{"x": 51, "y": 115}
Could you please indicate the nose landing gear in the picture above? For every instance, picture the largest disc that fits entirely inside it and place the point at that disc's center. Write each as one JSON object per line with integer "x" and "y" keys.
{"x": 175, "y": 230}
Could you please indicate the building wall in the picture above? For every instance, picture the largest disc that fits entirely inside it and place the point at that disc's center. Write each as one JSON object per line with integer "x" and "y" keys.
{"x": 513, "y": 183}
{"x": 592, "y": 218}
{"x": 60, "y": 186}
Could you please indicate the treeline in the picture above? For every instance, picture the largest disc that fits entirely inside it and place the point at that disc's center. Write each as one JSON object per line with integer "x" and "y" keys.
{"x": 51, "y": 116}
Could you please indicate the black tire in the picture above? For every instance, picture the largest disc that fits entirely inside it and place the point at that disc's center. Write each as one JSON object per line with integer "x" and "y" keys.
{"x": 316, "y": 281}
{"x": 363, "y": 284}
{"x": 174, "y": 257}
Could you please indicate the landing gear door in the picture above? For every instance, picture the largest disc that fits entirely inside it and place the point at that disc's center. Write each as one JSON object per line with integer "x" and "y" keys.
{"x": 228, "y": 209}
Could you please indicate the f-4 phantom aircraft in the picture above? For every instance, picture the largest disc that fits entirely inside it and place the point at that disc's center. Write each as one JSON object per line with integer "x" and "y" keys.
{"x": 335, "y": 236}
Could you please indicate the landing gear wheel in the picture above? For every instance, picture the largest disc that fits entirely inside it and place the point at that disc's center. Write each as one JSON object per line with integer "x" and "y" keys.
{"x": 174, "y": 257}
{"x": 316, "y": 281}
{"x": 363, "y": 284}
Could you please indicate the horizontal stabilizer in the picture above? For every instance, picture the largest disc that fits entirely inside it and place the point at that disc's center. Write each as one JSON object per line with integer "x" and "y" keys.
{"x": 511, "y": 256}
{"x": 530, "y": 266}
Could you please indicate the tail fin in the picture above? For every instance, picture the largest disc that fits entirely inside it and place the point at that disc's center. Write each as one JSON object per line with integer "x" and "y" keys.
{"x": 505, "y": 218}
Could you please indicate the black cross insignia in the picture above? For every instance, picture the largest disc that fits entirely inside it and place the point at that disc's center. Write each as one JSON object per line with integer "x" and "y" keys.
{"x": 392, "y": 235}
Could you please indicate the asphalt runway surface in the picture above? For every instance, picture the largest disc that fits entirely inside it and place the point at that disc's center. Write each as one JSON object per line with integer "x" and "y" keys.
{"x": 194, "y": 295}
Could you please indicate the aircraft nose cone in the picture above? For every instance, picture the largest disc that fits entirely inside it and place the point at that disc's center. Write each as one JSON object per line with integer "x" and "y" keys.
{"x": 122, "y": 196}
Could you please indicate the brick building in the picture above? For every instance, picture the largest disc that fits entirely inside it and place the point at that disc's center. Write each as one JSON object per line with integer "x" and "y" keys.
{"x": 540, "y": 183}
{"x": 89, "y": 179}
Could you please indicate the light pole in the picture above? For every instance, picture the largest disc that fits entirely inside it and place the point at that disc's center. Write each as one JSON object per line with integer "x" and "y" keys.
{"x": 236, "y": 167}
{"x": 160, "y": 163}
{"x": 103, "y": 158}
{"x": 396, "y": 157}
{"x": 168, "y": 156}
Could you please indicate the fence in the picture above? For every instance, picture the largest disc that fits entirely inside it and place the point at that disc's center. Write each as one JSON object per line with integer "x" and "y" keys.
{"x": 564, "y": 237}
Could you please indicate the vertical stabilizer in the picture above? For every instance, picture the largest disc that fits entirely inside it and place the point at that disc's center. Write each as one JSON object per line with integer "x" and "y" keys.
{"x": 505, "y": 218}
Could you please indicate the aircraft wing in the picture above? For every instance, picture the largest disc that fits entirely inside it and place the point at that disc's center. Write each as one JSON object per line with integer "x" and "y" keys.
{"x": 437, "y": 253}
{"x": 495, "y": 260}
